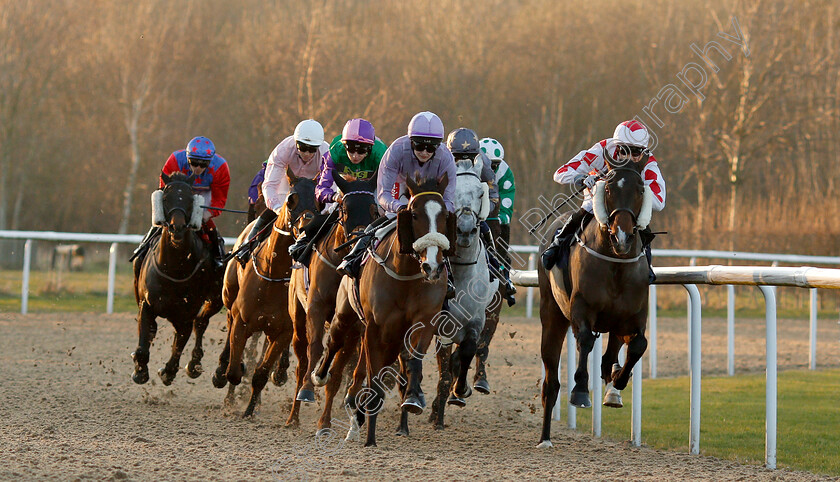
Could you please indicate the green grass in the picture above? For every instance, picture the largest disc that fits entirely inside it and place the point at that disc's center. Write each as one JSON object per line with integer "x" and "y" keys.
{"x": 79, "y": 291}
{"x": 732, "y": 418}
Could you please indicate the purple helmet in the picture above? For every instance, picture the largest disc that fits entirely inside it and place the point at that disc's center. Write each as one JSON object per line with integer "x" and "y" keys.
{"x": 201, "y": 148}
{"x": 358, "y": 130}
{"x": 426, "y": 124}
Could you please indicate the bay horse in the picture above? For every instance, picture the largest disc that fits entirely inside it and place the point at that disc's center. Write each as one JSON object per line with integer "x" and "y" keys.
{"x": 603, "y": 289}
{"x": 175, "y": 279}
{"x": 311, "y": 310}
{"x": 402, "y": 288}
{"x": 256, "y": 295}
{"x": 465, "y": 314}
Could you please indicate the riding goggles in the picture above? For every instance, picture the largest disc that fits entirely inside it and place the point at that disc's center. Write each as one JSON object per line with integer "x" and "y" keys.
{"x": 306, "y": 147}
{"x": 195, "y": 162}
{"x": 357, "y": 147}
{"x": 420, "y": 146}
{"x": 629, "y": 150}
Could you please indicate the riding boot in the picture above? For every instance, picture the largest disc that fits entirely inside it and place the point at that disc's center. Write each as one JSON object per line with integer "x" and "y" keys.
{"x": 647, "y": 237}
{"x": 351, "y": 265}
{"x": 450, "y": 281}
{"x": 562, "y": 240}
{"x": 250, "y": 241}
{"x": 217, "y": 248}
{"x": 302, "y": 247}
{"x": 153, "y": 233}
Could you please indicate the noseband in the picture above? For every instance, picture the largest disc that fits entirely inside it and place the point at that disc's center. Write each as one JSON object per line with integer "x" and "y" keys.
{"x": 467, "y": 209}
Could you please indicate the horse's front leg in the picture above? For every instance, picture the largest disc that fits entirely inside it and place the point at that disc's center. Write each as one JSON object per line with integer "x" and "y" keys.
{"x": 147, "y": 328}
{"x": 419, "y": 341}
{"x": 200, "y": 323}
{"x": 183, "y": 328}
{"x": 219, "y": 378}
{"x": 465, "y": 353}
{"x": 609, "y": 362}
{"x": 260, "y": 376}
{"x": 444, "y": 384}
{"x": 315, "y": 318}
{"x": 635, "y": 349}
{"x": 585, "y": 342}
{"x": 491, "y": 321}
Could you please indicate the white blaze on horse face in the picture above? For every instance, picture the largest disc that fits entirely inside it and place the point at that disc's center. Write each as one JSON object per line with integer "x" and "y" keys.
{"x": 620, "y": 183}
{"x": 620, "y": 235}
{"x": 432, "y": 210}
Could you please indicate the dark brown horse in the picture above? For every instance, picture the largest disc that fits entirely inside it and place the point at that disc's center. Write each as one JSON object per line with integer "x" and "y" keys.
{"x": 175, "y": 280}
{"x": 311, "y": 310}
{"x": 603, "y": 289}
{"x": 256, "y": 295}
{"x": 402, "y": 289}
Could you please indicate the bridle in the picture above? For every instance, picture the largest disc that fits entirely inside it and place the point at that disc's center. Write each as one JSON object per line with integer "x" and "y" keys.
{"x": 358, "y": 232}
{"x": 608, "y": 178}
{"x": 176, "y": 208}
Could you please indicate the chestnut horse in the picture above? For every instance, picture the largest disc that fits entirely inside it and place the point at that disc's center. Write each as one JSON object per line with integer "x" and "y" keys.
{"x": 175, "y": 279}
{"x": 256, "y": 295}
{"x": 402, "y": 289}
{"x": 311, "y": 310}
{"x": 603, "y": 289}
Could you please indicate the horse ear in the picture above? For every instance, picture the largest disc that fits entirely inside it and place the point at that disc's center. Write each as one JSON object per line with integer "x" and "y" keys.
{"x": 370, "y": 184}
{"x": 340, "y": 181}
{"x": 411, "y": 184}
{"x": 291, "y": 177}
{"x": 443, "y": 182}
{"x": 451, "y": 233}
{"x": 166, "y": 178}
{"x": 478, "y": 165}
{"x": 405, "y": 232}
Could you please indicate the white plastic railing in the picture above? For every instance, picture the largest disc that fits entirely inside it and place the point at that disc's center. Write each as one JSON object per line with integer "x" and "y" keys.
{"x": 114, "y": 239}
{"x": 766, "y": 279}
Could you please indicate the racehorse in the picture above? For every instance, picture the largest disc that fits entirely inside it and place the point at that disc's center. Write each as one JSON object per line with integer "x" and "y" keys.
{"x": 256, "y": 295}
{"x": 311, "y": 310}
{"x": 175, "y": 279}
{"x": 402, "y": 289}
{"x": 465, "y": 314}
{"x": 603, "y": 289}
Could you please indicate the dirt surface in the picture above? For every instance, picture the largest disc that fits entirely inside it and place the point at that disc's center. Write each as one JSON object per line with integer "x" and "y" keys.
{"x": 71, "y": 412}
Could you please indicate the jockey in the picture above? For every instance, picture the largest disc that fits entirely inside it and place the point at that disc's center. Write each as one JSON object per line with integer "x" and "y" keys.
{"x": 419, "y": 152}
{"x": 464, "y": 145}
{"x": 629, "y": 143}
{"x": 300, "y": 153}
{"x": 356, "y": 152}
{"x": 211, "y": 182}
{"x": 507, "y": 191}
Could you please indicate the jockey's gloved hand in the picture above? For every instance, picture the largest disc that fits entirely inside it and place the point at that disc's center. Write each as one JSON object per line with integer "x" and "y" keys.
{"x": 337, "y": 197}
{"x": 586, "y": 181}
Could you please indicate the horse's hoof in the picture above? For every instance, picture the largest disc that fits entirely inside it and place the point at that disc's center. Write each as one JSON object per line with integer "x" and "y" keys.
{"x": 140, "y": 377}
{"x": 467, "y": 392}
{"x": 456, "y": 400}
{"x": 279, "y": 378}
{"x": 580, "y": 399}
{"x": 323, "y": 432}
{"x": 165, "y": 377}
{"x": 482, "y": 387}
{"x": 306, "y": 396}
{"x": 234, "y": 380}
{"x": 402, "y": 432}
{"x": 194, "y": 370}
{"x": 413, "y": 404}
{"x": 318, "y": 381}
{"x": 613, "y": 397}
{"x": 545, "y": 444}
{"x": 370, "y": 444}
{"x": 439, "y": 426}
{"x": 219, "y": 380}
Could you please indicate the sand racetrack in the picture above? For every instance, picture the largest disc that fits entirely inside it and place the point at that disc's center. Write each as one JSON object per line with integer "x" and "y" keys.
{"x": 71, "y": 412}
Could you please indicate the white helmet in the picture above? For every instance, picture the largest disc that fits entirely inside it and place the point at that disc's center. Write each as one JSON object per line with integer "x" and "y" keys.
{"x": 309, "y": 132}
{"x": 492, "y": 148}
{"x": 632, "y": 133}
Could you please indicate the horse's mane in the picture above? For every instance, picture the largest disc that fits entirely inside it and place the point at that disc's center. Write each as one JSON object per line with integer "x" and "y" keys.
{"x": 424, "y": 184}
{"x": 178, "y": 176}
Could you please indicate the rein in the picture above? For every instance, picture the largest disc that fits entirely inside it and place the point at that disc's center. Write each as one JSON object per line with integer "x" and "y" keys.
{"x": 383, "y": 262}
{"x": 605, "y": 257}
{"x": 175, "y": 280}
